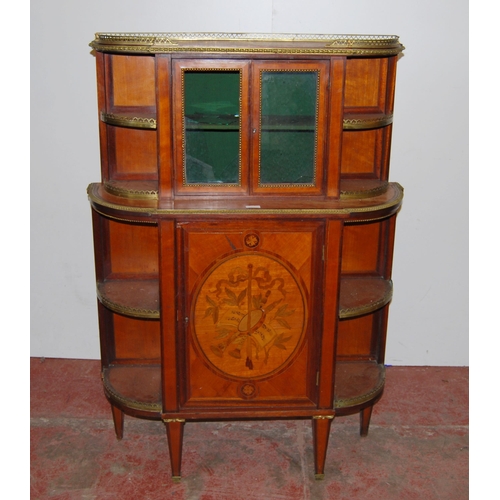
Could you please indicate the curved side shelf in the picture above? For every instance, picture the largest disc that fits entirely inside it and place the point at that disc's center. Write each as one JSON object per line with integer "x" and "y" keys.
{"x": 360, "y": 296}
{"x": 362, "y": 188}
{"x": 357, "y": 383}
{"x": 136, "y": 298}
{"x": 143, "y": 122}
{"x": 134, "y": 387}
{"x": 366, "y": 121}
{"x": 133, "y": 189}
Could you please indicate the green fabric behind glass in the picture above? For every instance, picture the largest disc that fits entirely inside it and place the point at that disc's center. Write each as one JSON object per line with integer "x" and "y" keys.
{"x": 288, "y": 121}
{"x": 212, "y": 136}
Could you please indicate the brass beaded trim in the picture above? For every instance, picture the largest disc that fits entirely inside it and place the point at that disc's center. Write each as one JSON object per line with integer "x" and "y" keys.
{"x": 367, "y": 123}
{"x": 353, "y": 312}
{"x": 348, "y": 45}
{"x": 128, "y": 121}
{"x": 130, "y": 403}
{"x": 122, "y": 219}
{"x": 364, "y": 193}
{"x": 244, "y": 211}
{"x": 131, "y": 193}
{"x": 346, "y": 402}
{"x": 126, "y": 310}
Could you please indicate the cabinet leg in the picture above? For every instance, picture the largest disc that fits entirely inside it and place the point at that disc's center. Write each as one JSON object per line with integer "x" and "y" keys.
{"x": 175, "y": 433}
{"x": 364, "y": 420}
{"x": 321, "y": 433}
{"x": 118, "y": 419}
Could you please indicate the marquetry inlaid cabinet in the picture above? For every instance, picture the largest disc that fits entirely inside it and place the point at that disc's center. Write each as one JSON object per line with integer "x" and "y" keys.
{"x": 244, "y": 227}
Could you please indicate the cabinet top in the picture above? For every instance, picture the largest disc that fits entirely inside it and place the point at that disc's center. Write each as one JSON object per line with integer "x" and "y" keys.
{"x": 248, "y": 43}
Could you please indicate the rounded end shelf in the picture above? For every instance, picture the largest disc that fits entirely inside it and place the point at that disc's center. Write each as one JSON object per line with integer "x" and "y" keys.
{"x": 362, "y": 188}
{"x": 135, "y": 389}
{"x": 366, "y": 121}
{"x": 357, "y": 384}
{"x": 136, "y": 298}
{"x": 138, "y": 190}
{"x": 122, "y": 120}
{"x": 363, "y": 295}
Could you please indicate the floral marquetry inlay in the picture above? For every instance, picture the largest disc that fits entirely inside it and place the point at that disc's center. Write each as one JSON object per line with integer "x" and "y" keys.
{"x": 249, "y": 315}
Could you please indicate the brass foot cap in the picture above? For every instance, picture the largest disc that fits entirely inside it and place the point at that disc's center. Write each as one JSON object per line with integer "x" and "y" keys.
{"x": 176, "y": 479}
{"x": 319, "y": 477}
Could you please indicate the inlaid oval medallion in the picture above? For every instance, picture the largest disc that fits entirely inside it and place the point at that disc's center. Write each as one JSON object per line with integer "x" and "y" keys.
{"x": 249, "y": 315}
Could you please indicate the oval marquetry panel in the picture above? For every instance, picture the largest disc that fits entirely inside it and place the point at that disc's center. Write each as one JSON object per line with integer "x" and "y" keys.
{"x": 249, "y": 315}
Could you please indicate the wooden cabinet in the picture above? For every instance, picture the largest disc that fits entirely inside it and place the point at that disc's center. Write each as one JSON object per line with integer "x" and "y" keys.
{"x": 244, "y": 227}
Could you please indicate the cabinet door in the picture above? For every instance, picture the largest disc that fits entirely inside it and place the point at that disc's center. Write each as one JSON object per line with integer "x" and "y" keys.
{"x": 211, "y": 126}
{"x": 288, "y": 125}
{"x": 249, "y": 304}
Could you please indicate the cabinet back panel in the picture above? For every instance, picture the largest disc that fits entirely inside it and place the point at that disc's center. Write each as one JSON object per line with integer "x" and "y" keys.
{"x": 133, "y": 80}
{"x": 133, "y": 153}
{"x": 354, "y": 338}
{"x": 365, "y": 83}
{"x": 136, "y": 338}
{"x": 360, "y": 248}
{"x": 361, "y": 152}
{"x": 134, "y": 248}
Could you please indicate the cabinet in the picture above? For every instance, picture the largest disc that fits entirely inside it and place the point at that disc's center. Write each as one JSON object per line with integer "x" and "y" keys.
{"x": 244, "y": 227}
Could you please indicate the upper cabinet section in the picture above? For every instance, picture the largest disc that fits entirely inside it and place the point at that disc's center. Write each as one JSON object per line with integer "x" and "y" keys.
{"x": 245, "y": 115}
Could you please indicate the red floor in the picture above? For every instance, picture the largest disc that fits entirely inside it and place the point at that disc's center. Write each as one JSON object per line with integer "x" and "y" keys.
{"x": 417, "y": 447}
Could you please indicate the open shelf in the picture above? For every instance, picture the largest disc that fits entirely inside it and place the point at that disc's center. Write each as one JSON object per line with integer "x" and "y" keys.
{"x": 366, "y": 121}
{"x": 125, "y": 120}
{"x": 139, "y": 386}
{"x": 140, "y": 189}
{"x": 361, "y": 295}
{"x": 362, "y": 188}
{"x": 131, "y": 297}
{"x": 357, "y": 383}
{"x": 136, "y": 387}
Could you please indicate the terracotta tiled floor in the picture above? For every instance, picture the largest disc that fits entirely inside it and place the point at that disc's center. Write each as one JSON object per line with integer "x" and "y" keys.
{"x": 417, "y": 447}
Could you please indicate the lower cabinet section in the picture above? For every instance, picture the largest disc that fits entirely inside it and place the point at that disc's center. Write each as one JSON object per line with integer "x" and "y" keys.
{"x": 250, "y": 309}
{"x": 205, "y": 318}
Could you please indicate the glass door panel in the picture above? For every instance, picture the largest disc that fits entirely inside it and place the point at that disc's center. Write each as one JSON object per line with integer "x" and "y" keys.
{"x": 288, "y": 127}
{"x": 291, "y": 103}
{"x": 212, "y": 126}
{"x": 212, "y": 113}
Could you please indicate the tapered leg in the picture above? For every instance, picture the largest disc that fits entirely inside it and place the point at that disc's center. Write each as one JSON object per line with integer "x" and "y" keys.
{"x": 364, "y": 420}
{"x": 175, "y": 433}
{"x": 118, "y": 421}
{"x": 321, "y": 433}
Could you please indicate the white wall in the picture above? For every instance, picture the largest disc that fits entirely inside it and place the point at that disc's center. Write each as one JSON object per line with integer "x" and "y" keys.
{"x": 428, "y": 323}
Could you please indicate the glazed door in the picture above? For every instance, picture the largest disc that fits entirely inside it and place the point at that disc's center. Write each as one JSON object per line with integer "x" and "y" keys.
{"x": 244, "y": 127}
{"x": 288, "y": 112}
{"x": 249, "y": 313}
{"x": 211, "y": 126}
